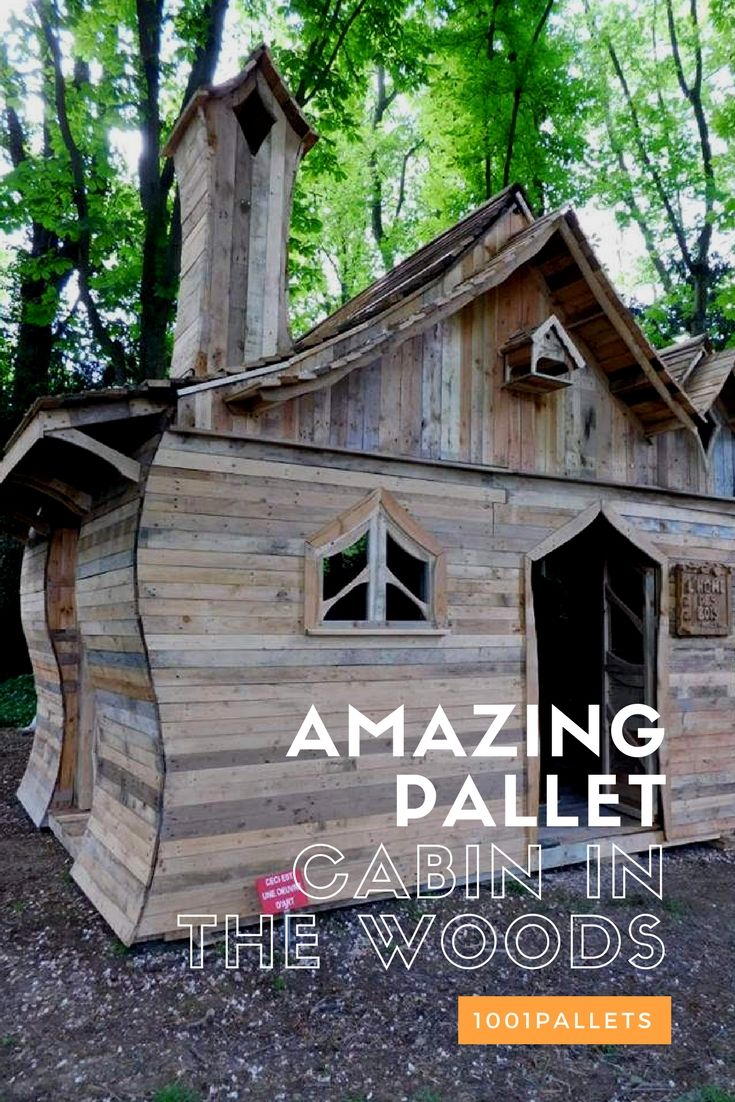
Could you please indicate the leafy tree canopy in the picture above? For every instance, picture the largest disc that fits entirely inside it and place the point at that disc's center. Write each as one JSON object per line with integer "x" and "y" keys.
{"x": 423, "y": 112}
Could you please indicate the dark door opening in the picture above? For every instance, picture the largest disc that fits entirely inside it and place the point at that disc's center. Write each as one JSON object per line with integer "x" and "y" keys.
{"x": 595, "y": 603}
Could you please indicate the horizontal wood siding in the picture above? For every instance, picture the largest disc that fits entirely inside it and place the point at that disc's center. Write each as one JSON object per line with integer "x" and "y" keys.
{"x": 220, "y": 568}
{"x": 118, "y": 848}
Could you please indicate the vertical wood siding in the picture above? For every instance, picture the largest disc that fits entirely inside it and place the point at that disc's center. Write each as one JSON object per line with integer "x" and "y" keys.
{"x": 440, "y": 395}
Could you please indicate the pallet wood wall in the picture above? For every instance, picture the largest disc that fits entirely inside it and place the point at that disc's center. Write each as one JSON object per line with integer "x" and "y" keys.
{"x": 61, "y": 617}
{"x": 39, "y": 781}
{"x": 721, "y": 461}
{"x": 220, "y": 569}
{"x": 440, "y": 395}
{"x": 118, "y": 848}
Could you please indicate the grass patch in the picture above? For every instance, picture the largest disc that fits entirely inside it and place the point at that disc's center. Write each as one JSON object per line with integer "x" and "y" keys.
{"x": 707, "y": 1094}
{"x": 515, "y": 888}
{"x": 17, "y": 701}
{"x": 176, "y": 1092}
{"x": 677, "y": 909}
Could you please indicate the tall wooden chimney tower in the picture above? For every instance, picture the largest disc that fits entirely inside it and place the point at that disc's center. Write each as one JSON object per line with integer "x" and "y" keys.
{"x": 236, "y": 150}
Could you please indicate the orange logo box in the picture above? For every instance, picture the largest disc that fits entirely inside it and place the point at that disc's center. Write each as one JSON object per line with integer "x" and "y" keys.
{"x": 564, "y": 1020}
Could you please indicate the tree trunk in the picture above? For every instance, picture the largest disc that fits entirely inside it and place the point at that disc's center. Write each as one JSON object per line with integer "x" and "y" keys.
{"x": 162, "y": 231}
{"x": 39, "y": 298}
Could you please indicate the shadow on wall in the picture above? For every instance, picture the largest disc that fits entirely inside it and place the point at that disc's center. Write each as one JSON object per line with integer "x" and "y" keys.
{"x": 13, "y": 652}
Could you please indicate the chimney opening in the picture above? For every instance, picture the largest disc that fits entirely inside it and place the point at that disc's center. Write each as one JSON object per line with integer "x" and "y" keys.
{"x": 255, "y": 121}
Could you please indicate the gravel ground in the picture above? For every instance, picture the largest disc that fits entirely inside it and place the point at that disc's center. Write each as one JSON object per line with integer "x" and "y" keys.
{"x": 82, "y": 1018}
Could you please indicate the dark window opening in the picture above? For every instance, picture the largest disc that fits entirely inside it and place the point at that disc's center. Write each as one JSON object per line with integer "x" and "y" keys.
{"x": 626, "y": 640}
{"x": 351, "y": 607}
{"x": 546, "y": 366}
{"x": 255, "y": 121}
{"x": 410, "y": 571}
{"x": 399, "y": 607}
{"x": 707, "y": 430}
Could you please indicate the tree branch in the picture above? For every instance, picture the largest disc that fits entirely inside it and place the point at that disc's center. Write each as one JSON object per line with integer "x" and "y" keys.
{"x": 202, "y": 67}
{"x": 520, "y": 88}
{"x": 316, "y": 52}
{"x": 676, "y": 226}
{"x": 402, "y": 180}
{"x": 112, "y": 348}
{"x": 15, "y": 137}
{"x": 327, "y": 68}
{"x": 629, "y": 198}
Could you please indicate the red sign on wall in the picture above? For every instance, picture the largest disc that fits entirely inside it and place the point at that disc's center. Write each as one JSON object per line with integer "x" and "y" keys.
{"x": 280, "y": 892}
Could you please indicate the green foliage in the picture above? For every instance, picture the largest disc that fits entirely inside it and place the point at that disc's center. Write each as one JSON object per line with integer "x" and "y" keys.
{"x": 458, "y": 108}
{"x": 176, "y": 1092}
{"x": 707, "y": 1094}
{"x": 504, "y": 105}
{"x": 423, "y": 112}
{"x": 17, "y": 701}
{"x": 662, "y": 158}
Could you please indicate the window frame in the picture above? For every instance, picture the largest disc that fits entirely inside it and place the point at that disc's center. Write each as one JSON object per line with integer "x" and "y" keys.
{"x": 380, "y": 515}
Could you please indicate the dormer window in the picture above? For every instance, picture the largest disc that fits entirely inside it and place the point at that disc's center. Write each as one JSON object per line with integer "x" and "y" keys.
{"x": 374, "y": 569}
{"x": 540, "y": 360}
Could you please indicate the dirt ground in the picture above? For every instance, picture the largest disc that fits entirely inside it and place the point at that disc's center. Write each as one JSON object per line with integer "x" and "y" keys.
{"x": 81, "y": 1018}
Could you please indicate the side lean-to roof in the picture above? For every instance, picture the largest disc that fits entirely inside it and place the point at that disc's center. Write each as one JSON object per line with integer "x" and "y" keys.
{"x": 66, "y": 448}
{"x": 446, "y": 274}
{"x": 698, "y": 370}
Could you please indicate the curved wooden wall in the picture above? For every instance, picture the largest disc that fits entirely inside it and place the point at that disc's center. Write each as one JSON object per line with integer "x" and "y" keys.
{"x": 39, "y": 780}
{"x": 118, "y": 850}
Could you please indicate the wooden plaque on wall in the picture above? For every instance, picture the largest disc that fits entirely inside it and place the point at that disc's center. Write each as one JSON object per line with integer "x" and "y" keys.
{"x": 703, "y": 598}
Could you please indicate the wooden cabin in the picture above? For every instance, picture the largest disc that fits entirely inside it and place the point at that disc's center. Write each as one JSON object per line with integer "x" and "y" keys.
{"x": 475, "y": 482}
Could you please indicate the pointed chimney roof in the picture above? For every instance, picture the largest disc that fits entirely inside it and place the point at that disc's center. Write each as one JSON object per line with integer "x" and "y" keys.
{"x": 260, "y": 59}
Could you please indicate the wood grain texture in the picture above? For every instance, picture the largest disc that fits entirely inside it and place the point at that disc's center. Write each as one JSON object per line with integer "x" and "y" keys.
{"x": 223, "y": 534}
{"x": 118, "y": 847}
{"x": 441, "y": 395}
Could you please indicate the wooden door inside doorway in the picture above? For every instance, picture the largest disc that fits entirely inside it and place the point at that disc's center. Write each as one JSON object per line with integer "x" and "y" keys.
{"x": 629, "y": 665}
{"x": 596, "y": 609}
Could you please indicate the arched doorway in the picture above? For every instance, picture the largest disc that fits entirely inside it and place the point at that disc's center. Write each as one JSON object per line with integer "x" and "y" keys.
{"x": 598, "y": 603}
{"x": 72, "y": 795}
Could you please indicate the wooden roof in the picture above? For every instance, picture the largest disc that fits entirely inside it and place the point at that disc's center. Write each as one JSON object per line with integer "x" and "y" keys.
{"x": 681, "y": 358}
{"x": 705, "y": 382}
{"x": 429, "y": 262}
{"x": 66, "y": 448}
{"x": 428, "y": 286}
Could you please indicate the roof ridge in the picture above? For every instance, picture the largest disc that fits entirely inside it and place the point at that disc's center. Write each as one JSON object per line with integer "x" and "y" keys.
{"x": 370, "y": 300}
